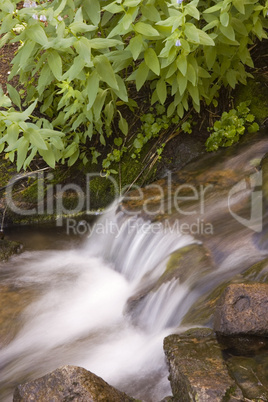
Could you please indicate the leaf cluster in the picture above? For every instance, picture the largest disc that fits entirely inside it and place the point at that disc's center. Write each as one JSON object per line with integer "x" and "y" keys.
{"x": 77, "y": 58}
{"x": 231, "y": 127}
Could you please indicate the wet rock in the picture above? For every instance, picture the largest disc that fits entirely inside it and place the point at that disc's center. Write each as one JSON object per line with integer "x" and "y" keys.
{"x": 8, "y": 248}
{"x": 69, "y": 383}
{"x": 13, "y": 301}
{"x": 203, "y": 310}
{"x": 198, "y": 371}
{"x": 251, "y": 374}
{"x": 243, "y": 309}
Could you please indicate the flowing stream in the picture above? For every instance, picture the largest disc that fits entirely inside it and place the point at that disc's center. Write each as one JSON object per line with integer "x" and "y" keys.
{"x": 67, "y": 299}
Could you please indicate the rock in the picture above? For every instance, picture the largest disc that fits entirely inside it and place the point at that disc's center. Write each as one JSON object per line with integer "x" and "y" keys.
{"x": 251, "y": 374}
{"x": 8, "y": 248}
{"x": 197, "y": 369}
{"x": 13, "y": 300}
{"x": 69, "y": 383}
{"x": 243, "y": 309}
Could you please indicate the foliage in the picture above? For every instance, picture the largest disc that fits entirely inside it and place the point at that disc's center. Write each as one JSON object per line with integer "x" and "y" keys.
{"x": 77, "y": 59}
{"x": 231, "y": 126}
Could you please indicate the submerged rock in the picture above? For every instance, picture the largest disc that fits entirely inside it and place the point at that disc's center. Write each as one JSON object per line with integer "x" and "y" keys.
{"x": 69, "y": 383}
{"x": 251, "y": 373}
{"x": 243, "y": 309}
{"x": 198, "y": 371}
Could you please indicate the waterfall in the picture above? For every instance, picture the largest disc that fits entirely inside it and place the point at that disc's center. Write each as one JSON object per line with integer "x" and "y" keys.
{"x": 78, "y": 311}
{"x": 108, "y": 303}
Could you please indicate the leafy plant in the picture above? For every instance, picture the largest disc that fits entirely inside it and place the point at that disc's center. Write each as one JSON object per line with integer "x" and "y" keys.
{"x": 231, "y": 126}
{"x": 77, "y": 58}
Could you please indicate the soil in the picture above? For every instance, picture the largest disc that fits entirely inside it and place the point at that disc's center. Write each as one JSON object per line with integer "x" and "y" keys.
{"x": 6, "y": 55}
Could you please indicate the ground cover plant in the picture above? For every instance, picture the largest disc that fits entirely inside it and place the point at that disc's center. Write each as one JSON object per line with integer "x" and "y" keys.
{"x": 80, "y": 64}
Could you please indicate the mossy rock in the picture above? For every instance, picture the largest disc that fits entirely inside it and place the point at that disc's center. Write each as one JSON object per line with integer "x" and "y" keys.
{"x": 187, "y": 263}
{"x": 256, "y": 91}
{"x": 8, "y": 248}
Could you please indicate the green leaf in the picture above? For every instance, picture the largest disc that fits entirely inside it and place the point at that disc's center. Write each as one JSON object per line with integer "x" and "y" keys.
{"x": 210, "y": 55}
{"x": 132, "y": 3}
{"x": 103, "y": 43}
{"x": 122, "y": 91}
{"x": 191, "y": 74}
{"x": 137, "y": 143}
{"x": 14, "y": 96}
{"x": 239, "y": 5}
{"x": 182, "y": 63}
{"x": 141, "y": 76}
{"x": 37, "y": 34}
{"x": 231, "y": 78}
{"x": 36, "y": 139}
{"x": 150, "y": 13}
{"x": 205, "y": 39}
{"x": 203, "y": 73}
{"x": 191, "y": 32}
{"x": 118, "y": 141}
{"x": 92, "y": 88}
{"x": 114, "y": 8}
{"x": 182, "y": 82}
{"x": 152, "y": 61}
{"x": 22, "y": 149}
{"x": 136, "y": 46}
{"x": 212, "y": 9}
{"x": 81, "y": 27}
{"x": 192, "y": 10}
{"x": 83, "y": 48}
{"x": 194, "y": 93}
{"x": 13, "y": 134}
{"x": 48, "y": 156}
{"x": 228, "y": 32}
{"x": 145, "y": 29}
{"x": 73, "y": 158}
{"x": 105, "y": 71}
{"x": 224, "y": 18}
{"x": 98, "y": 104}
{"x": 55, "y": 63}
{"x": 75, "y": 69}
{"x": 92, "y": 9}
{"x": 123, "y": 125}
{"x": 26, "y": 52}
{"x": 161, "y": 90}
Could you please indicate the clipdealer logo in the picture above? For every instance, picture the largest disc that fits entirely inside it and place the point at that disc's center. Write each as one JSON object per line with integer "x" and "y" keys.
{"x": 253, "y": 185}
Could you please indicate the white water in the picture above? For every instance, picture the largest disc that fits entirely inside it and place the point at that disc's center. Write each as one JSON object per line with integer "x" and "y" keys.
{"x": 79, "y": 318}
{"x": 79, "y": 311}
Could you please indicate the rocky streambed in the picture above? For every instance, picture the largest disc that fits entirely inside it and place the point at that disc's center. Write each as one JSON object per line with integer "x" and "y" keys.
{"x": 201, "y": 295}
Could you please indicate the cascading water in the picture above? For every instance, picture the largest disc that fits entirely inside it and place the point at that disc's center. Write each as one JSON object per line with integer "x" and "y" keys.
{"x": 78, "y": 307}
{"x": 78, "y": 315}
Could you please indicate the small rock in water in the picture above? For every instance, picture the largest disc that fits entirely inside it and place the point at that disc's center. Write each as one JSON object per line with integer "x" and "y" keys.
{"x": 69, "y": 383}
{"x": 243, "y": 310}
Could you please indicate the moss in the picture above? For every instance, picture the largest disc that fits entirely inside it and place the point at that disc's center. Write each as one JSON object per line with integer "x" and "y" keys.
{"x": 8, "y": 248}
{"x": 256, "y": 90}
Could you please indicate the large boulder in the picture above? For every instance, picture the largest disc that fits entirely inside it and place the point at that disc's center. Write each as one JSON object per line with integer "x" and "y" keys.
{"x": 198, "y": 371}
{"x": 243, "y": 310}
{"x": 69, "y": 383}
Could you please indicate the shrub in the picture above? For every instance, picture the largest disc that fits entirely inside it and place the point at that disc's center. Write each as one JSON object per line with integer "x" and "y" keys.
{"x": 77, "y": 58}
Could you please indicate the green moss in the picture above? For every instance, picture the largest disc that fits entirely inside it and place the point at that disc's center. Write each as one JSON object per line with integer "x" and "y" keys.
{"x": 256, "y": 90}
{"x": 8, "y": 248}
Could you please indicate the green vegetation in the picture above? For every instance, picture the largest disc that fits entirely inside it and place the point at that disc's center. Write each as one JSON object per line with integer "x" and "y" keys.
{"x": 231, "y": 126}
{"x": 81, "y": 63}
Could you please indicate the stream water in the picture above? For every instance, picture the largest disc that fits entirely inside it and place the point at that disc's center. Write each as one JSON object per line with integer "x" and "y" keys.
{"x": 66, "y": 297}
